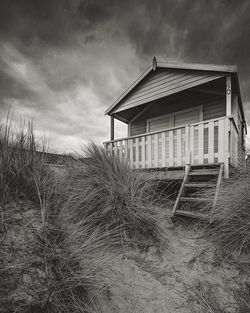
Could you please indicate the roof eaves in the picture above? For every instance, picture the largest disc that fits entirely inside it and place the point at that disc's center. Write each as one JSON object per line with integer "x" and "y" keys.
{"x": 144, "y": 74}
{"x": 201, "y": 67}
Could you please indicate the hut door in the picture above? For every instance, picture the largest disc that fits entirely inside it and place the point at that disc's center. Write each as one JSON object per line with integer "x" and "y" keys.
{"x": 187, "y": 116}
{"x": 159, "y": 123}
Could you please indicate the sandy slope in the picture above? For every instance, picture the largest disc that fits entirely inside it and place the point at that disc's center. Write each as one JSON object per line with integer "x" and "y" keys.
{"x": 148, "y": 283}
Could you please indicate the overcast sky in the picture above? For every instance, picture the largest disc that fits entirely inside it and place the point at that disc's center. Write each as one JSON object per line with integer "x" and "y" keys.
{"x": 63, "y": 62}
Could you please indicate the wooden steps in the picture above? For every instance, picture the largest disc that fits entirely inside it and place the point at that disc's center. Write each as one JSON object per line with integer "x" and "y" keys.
{"x": 203, "y": 173}
{"x": 209, "y": 176}
{"x": 193, "y": 215}
{"x": 190, "y": 199}
{"x": 198, "y": 185}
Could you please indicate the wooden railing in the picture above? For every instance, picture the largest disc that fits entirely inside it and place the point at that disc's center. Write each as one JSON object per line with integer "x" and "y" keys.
{"x": 198, "y": 143}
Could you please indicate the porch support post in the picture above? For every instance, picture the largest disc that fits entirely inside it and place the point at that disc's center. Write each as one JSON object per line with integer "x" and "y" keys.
{"x": 112, "y": 132}
{"x": 228, "y": 96}
{"x": 227, "y": 129}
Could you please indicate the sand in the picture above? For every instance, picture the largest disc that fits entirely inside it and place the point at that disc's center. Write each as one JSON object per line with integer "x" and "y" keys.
{"x": 149, "y": 282}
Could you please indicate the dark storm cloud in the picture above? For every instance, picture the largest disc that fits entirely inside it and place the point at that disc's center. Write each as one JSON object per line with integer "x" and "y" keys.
{"x": 63, "y": 61}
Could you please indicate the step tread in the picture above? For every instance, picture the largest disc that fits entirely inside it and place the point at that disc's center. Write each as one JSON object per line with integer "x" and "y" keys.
{"x": 199, "y": 185}
{"x": 202, "y": 172}
{"x": 193, "y": 199}
{"x": 192, "y": 214}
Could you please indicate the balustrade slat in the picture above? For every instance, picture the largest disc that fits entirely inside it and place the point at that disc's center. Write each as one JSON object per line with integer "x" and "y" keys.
{"x": 156, "y": 147}
{"x": 137, "y": 153}
{"x": 171, "y": 148}
{"x": 149, "y": 154}
{"x": 221, "y": 137}
{"x": 192, "y": 143}
{"x": 163, "y": 149}
{"x": 178, "y": 142}
{"x": 211, "y": 142}
{"x": 143, "y": 154}
{"x": 201, "y": 144}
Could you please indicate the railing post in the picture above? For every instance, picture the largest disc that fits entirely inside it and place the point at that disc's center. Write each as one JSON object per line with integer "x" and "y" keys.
{"x": 187, "y": 146}
{"x": 226, "y": 148}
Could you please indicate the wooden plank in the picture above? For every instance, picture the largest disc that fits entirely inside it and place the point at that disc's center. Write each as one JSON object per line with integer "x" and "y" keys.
{"x": 171, "y": 148}
{"x": 137, "y": 153}
{"x": 226, "y": 148}
{"x": 169, "y": 91}
{"x": 228, "y": 96}
{"x": 191, "y": 144}
{"x": 178, "y": 142}
{"x": 143, "y": 154}
{"x": 131, "y": 152}
{"x": 131, "y": 87}
{"x": 168, "y": 129}
{"x": 219, "y": 180}
{"x": 149, "y": 152}
{"x": 205, "y": 173}
{"x": 198, "y": 185}
{"x": 221, "y": 137}
{"x": 187, "y": 145}
{"x": 176, "y": 204}
{"x": 126, "y": 150}
{"x": 198, "y": 66}
{"x": 194, "y": 215}
{"x": 201, "y": 143}
{"x": 211, "y": 142}
{"x": 192, "y": 199}
{"x": 156, "y": 147}
{"x": 163, "y": 138}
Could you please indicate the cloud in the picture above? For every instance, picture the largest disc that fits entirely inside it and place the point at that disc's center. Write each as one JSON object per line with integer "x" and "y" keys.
{"x": 63, "y": 62}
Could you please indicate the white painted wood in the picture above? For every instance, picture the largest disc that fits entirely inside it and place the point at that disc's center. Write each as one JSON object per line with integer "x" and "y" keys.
{"x": 201, "y": 144}
{"x": 221, "y": 141}
{"x": 187, "y": 145}
{"x": 211, "y": 142}
{"x": 191, "y": 140}
{"x": 178, "y": 140}
{"x": 228, "y": 97}
{"x": 143, "y": 152}
{"x": 126, "y": 150}
{"x": 163, "y": 149}
{"x": 156, "y": 147}
{"x": 227, "y": 141}
{"x": 171, "y": 148}
{"x": 226, "y": 148}
{"x": 130, "y": 144}
{"x": 136, "y": 153}
{"x": 149, "y": 154}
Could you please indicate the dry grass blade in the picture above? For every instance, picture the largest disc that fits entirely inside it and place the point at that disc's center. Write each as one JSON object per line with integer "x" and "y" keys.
{"x": 107, "y": 190}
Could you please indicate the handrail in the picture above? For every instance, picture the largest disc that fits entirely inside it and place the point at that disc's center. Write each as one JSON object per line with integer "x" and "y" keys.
{"x": 170, "y": 129}
{"x": 145, "y": 134}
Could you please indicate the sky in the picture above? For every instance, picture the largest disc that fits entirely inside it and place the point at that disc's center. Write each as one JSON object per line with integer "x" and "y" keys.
{"x": 63, "y": 62}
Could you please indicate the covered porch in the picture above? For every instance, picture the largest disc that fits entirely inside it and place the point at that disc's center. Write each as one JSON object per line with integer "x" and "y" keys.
{"x": 207, "y": 142}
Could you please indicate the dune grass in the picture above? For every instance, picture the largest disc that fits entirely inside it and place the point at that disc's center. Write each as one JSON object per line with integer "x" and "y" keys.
{"x": 19, "y": 161}
{"x": 64, "y": 263}
{"x": 109, "y": 194}
{"x": 230, "y": 219}
{"x": 71, "y": 226}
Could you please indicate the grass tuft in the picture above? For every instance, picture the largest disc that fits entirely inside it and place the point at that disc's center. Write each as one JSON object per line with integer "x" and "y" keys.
{"x": 231, "y": 217}
{"x": 109, "y": 194}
